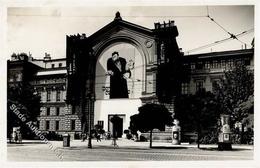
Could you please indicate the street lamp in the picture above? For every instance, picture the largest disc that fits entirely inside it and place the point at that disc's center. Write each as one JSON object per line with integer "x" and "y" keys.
{"x": 90, "y": 100}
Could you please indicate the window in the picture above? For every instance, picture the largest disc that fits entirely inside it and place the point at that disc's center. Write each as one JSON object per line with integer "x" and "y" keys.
{"x": 192, "y": 66}
{"x": 19, "y": 77}
{"x": 219, "y": 64}
{"x": 48, "y": 95}
{"x": 199, "y": 85}
{"x": 162, "y": 53}
{"x": 60, "y": 64}
{"x": 73, "y": 109}
{"x": 73, "y": 124}
{"x": 47, "y": 125}
{"x": 214, "y": 84}
{"x": 101, "y": 123}
{"x": 211, "y": 64}
{"x": 11, "y": 79}
{"x": 48, "y": 111}
{"x": 52, "y": 65}
{"x": 184, "y": 88}
{"x": 57, "y": 125}
{"x": 247, "y": 62}
{"x": 57, "y": 111}
{"x": 230, "y": 63}
{"x": 58, "y": 95}
{"x": 199, "y": 65}
{"x": 207, "y": 65}
{"x": 215, "y": 64}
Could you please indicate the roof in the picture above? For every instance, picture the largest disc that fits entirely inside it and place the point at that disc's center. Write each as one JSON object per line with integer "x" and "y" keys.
{"x": 51, "y": 60}
{"x": 51, "y": 72}
{"x": 220, "y": 54}
{"x": 121, "y": 23}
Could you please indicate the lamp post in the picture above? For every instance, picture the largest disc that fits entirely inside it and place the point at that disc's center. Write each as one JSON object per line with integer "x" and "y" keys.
{"x": 89, "y": 130}
{"x": 90, "y": 100}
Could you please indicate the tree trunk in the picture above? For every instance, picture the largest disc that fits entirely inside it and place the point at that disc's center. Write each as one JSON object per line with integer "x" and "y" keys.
{"x": 89, "y": 142}
{"x": 242, "y": 134}
{"x": 151, "y": 138}
{"x": 198, "y": 137}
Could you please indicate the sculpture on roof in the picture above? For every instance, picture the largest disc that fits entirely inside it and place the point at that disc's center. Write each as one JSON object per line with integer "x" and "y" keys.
{"x": 118, "y": 16}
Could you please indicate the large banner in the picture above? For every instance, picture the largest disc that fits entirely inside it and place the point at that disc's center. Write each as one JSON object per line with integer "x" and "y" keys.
{"x": 119, "y": 73}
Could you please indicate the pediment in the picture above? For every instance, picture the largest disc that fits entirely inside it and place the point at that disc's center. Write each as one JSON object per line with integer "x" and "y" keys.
{"x": 117, "y": 27}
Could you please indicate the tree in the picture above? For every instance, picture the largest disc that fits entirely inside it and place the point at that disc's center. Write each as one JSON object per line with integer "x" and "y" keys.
{"x": 27, "y": 102}
{"x": 235, "y": 93}
{"x": 197, "y": 112}
{"x": 151, "y": 116}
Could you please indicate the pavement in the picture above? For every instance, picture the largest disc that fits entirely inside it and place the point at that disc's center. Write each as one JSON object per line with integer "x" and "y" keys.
{"x": 127, "y": 150}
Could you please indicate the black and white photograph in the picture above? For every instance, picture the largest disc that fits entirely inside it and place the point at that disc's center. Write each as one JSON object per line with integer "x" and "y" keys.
{"x": 130, "y": 84}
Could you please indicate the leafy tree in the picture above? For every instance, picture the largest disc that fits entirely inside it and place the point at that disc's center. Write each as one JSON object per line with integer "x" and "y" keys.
{"x": 151, "y": 116}
{"x": 235, "y": 92}
{"x": 27, "y": 102}
{"x": 197, "y": 112}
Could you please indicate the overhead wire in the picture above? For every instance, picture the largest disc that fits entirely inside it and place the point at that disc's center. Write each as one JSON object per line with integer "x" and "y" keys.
{"x": 219, "y": 41}
{"x": 110, "y": 16}
{"x": 232, "y": 36}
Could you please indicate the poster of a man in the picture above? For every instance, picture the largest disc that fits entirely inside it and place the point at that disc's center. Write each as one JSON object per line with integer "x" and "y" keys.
{"x": 118, "y": 70}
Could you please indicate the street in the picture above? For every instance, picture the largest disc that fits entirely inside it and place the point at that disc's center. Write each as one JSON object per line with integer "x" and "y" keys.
{"x": 127, "y": 151}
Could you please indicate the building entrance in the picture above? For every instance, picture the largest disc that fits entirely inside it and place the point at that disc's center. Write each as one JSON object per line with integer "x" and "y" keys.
{"x": 112, "y": 79}
{"x": 117, "y": 126}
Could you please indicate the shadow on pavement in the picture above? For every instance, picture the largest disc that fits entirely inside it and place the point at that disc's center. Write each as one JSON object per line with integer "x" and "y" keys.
{"x": 216, "y": 149}
{"x": 123, "y": 147}
{"x": 168, "y": 147}
{"x": 29, "y": 142}
{"x": 106, "y": 147}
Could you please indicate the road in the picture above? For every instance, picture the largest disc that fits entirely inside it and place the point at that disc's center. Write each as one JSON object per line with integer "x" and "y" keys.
{"x": 127, "y": 151}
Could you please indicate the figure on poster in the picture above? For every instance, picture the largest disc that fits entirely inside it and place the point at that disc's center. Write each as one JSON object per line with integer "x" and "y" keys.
{"x": 118, "y": 70}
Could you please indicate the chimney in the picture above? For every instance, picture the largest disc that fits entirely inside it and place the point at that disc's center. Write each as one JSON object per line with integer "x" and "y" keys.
{"x": 30, "y": 58}
{"x": 13, "y": 57}
{"x": 83, "y": 36}
{"x": 47, "y": 57}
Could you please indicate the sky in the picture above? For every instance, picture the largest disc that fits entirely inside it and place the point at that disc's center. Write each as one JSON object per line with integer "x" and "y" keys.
{"x": 43, "y": 29}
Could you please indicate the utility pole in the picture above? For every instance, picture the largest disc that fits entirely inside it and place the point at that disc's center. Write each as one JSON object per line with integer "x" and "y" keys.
{"x": 89, "y": 107}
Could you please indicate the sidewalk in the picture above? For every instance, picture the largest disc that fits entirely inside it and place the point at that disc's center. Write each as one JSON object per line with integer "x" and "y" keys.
{"x": 124, "y": 143}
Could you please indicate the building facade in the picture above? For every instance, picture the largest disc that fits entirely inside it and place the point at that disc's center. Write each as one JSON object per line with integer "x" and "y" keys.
{"x": 207, "y": 68}
{"x": 75, "y": 90}
{"x": 48, "y": 78}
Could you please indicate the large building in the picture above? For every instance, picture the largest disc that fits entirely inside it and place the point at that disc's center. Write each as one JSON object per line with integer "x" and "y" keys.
{"x": 48, "y": 77}
{"x": 208, "y": 68}
{"x": 75, "y": 91}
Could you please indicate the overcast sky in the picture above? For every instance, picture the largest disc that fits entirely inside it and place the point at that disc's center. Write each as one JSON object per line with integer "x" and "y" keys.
{"x": 40, "y": 30}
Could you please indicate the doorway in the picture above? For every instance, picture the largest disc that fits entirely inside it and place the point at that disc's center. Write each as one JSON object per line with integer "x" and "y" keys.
{"x": 118, "y": 127}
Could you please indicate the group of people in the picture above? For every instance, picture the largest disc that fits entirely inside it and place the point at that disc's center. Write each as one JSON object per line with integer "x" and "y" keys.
{"x": 97, "y": 135}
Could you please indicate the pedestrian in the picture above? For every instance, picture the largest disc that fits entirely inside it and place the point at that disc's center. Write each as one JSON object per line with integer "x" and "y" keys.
{"x": 84, "y": 137}
{"x": 15, "y": 137}
{"x": 138, "y": 135}
{"x": 108, "y": 135}
{"x": 19, "y": 137}
{"x": 98, "y": 137}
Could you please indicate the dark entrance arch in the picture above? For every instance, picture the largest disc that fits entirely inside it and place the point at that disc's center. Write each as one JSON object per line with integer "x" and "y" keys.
{"x": 117, "y": 125}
